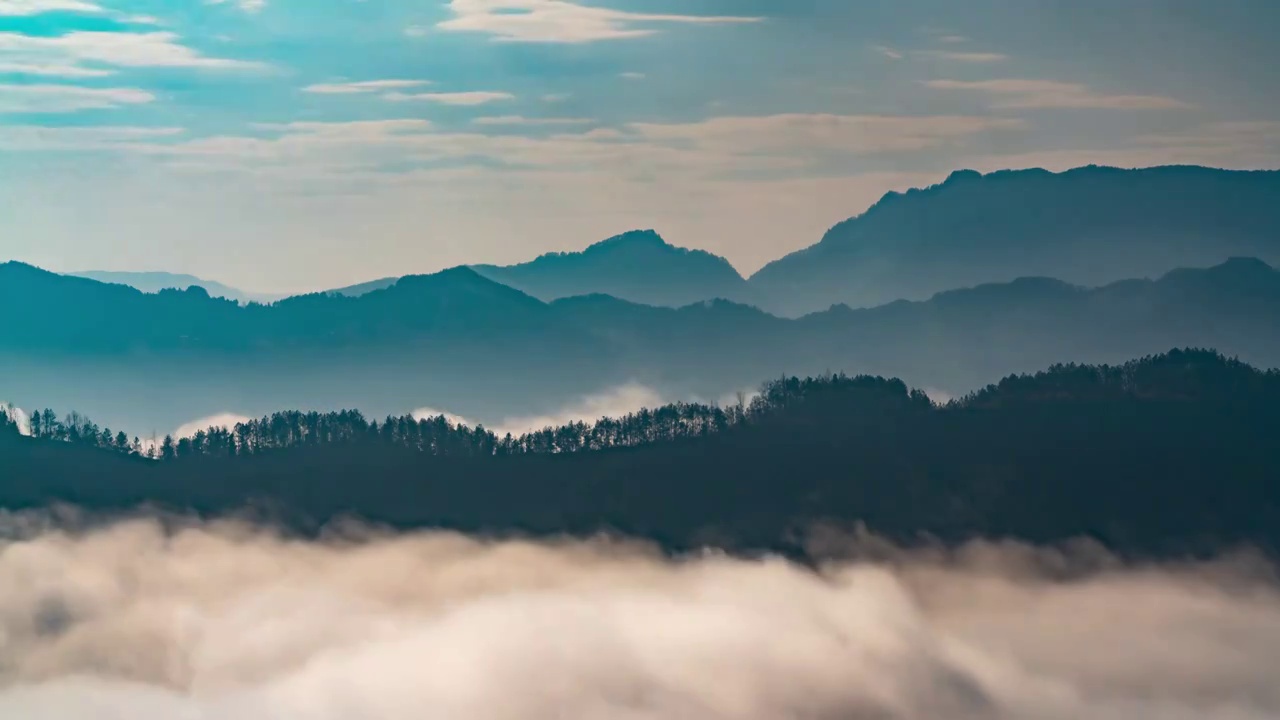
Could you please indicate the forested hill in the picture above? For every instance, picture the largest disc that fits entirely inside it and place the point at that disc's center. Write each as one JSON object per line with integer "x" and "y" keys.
{"x": 1166, "y": 455}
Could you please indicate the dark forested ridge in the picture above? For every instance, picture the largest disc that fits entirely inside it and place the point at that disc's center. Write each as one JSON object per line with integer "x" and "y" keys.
{"x": 1173, "y": 453}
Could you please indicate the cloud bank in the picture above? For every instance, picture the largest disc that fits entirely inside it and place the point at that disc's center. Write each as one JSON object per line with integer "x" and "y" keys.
{"x": 227, "y": 621}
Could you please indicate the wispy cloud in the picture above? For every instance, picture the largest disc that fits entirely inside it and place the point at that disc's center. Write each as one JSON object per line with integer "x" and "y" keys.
{"x": 963, "y": 57}
{"x": 53, "y": 70}
{"x": 100, "y": 137}
{"x": 119, "y": 49}
{"x": 249, "y": 6}
{"x": 10, "y": 8}
{"x": 475, "y": 97}
{"x": 860, "y": 134}
{"x": 521, "y": 120}
{"x": 364, "y": 86}
{"x": 67, "y": 98}
{"x": 1048, "y": 94}
{"x": 887, "y": 51}
{"x": 632, "y": 75}
{"x": 562, "y": 21}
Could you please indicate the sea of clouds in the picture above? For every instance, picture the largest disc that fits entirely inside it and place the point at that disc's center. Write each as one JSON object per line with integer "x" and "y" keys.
{"x": 164, "y": 619}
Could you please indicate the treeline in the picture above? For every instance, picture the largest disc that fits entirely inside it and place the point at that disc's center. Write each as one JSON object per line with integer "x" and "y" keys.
{"x": 439, "y": 436}
{"x": 1177, "y": 374}
{"x": 1170, "y": 454}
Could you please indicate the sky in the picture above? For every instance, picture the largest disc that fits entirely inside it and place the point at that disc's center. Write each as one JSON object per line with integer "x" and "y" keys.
{"x": 298, "y": 145}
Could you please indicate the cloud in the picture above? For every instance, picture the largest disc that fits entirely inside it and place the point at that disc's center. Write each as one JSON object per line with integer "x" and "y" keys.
{"x": 475, "y": 97}
{"x": 416, "y": 31}
{"x": 100, "y": 137}
{"x": 1241, "y": 145}
{"x": 53, "y": 70}
{"x": 887, "y": 52}
{"x": 562, "y": 21}
{"x": 221, "y": 420}
{"x": 1046, "y": 94}
{"x": 249, "y": 6}
{"x": 67, "y": 98}
{"x": 16, "y": 415}
{"x": 364, "y": 86}
{"x": 632, "y": 75}
{"x": 857, "y": 134}
{"x": 9, "y": 8}
{"x": 614, "y": 402}
{"x": 227, "y": 621}
{"x": 521, "y": 120}
{"x": 964, "y": 57}
{"x": 118, "y": 49}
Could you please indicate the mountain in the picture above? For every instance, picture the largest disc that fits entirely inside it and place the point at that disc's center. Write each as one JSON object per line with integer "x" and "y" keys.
{"x": 365, "y": 287}
{"x": 638, "y": 266}
{"x": 1171, "y": 455}
{"x": 461, "y": 342}
{"x": 1090, "y": 226}
{"x": 152, "y": 282}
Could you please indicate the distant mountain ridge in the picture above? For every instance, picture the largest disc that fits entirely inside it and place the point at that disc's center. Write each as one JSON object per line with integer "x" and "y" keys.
{"x": 638, "y": 266}
{"x": 155, "y": 281}
{"x": 481, "y": 349}
{"x": 1090, "y": 226}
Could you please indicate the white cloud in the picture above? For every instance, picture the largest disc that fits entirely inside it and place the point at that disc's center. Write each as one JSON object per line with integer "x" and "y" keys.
{"x": 1013, "y": 93}
{"x": 119, "y": 49}
{"x": 16, "y": 415}
{"x": 249, "y": 6}
{"x": 953, "y": 39}
{"x": 887, "y": 51}
{"x": 632, "y": 75}
{"x": 857, "y": 134}
{"x": 475, "y": 97}
{"x": 416, "y": 31}
{"x": 67, "y": 98}
{"x": 221, "y": 420}
{"x": 964, "y": 57}
{"x": 1241, "y": 145}
{"x": 37, "y": 7}
{"x": 364, "y": 86}
{"x": 561, "y": 21}
{"x": 613, "y": 403}
{"x": 53, "y": 70}
{"x": 521, "y": 120}
{"x": 225, "y": 621}
{"x": 101, "y": 137}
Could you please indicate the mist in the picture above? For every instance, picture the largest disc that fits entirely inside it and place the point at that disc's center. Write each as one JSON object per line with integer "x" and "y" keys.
{"x": 614, "y": 402}
{"x": 18, "y": 416}
{"x": 157, "y": 618}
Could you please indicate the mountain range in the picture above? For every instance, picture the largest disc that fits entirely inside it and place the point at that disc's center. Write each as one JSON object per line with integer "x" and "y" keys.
{"x": 1089, "y": 226}
{"x": 459, "y": 341}
{"x": 155, "y": 281}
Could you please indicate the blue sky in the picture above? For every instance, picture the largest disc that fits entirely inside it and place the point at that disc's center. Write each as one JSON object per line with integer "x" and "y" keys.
{"x": 290, "y": 145}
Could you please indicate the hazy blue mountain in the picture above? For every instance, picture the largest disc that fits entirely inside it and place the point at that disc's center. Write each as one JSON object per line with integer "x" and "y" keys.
{"x": 151, "y": 282}
{"x": 460, "y": 342}
{"x": 365, "y": 287}
{"x": 1091, "y": 226}
{"x": 638, "y": 266}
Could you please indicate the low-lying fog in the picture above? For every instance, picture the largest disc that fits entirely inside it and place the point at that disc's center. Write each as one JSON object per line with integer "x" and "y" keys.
{"x": 226, "y": 621}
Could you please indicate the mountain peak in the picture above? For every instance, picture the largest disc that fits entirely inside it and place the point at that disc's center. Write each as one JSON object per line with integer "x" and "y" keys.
{"x": 632, "y": 238}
